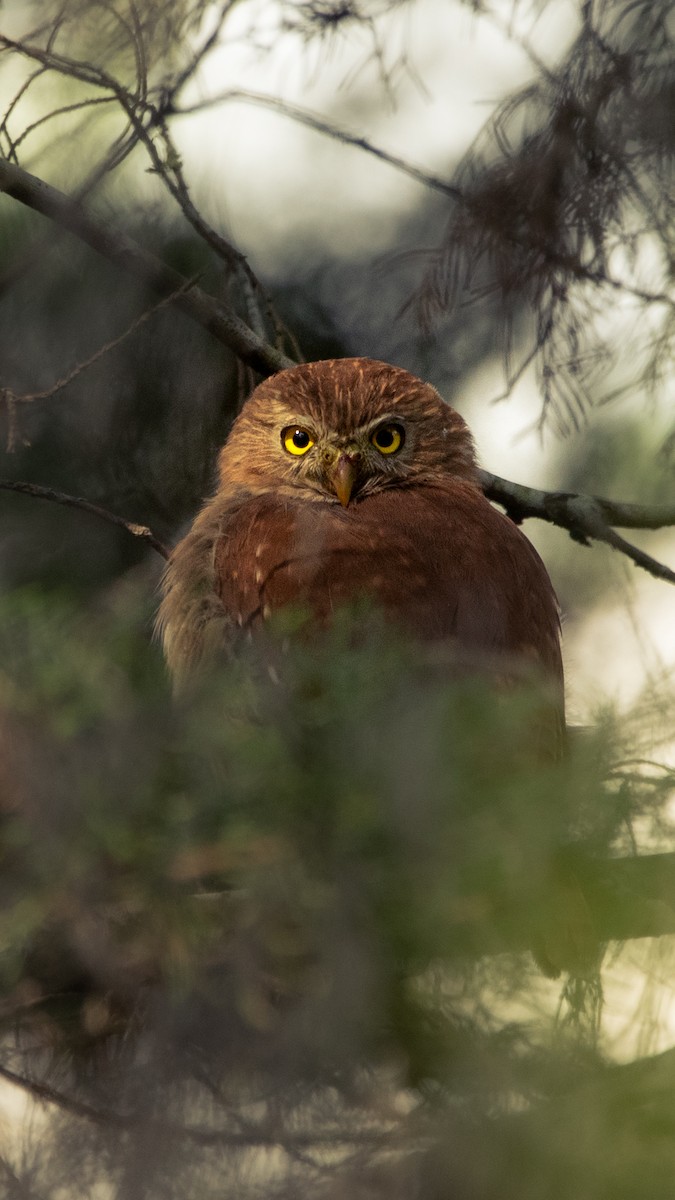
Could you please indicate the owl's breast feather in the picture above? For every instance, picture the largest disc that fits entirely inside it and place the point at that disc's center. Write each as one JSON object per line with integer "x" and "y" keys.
{"x": 439, "y": 560}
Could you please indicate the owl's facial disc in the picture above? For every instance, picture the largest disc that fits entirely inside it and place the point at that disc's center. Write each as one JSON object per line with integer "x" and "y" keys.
{"x": 345, "y": 463}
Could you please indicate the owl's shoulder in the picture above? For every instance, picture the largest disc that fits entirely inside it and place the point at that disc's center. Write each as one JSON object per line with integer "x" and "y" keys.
{"x": 191, "y": 619}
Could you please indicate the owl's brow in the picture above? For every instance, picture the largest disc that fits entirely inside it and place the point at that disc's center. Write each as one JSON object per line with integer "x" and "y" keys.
{"x": 301, "y": 421}
{"x": 262, "y": 419}
{"x": 383, "y": 419}
{"x": 274, "y": 422}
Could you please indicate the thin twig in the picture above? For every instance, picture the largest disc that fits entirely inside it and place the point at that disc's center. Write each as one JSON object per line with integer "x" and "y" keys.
{"x": 92, "y": 102}
{"x": 19, "y": 1189}
{"x": 213, "y": 315}
{"x": 566, "y": 262}
{"x": 45, "y": 493}
{"x": 186, "y": 74}
{"x": 201, "y": 1136}
{"x": 515, "y": 376}
{"x": 585, "y": 517}
{"x": 36, "y": 254}
{"x": 304, "y": 117}
{"x": 143, "y": 117}
{"x": 29, "y": 397}
{"x": 4, "y": 125}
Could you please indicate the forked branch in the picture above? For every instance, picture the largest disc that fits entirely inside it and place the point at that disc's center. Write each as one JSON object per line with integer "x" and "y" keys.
{"x": 217, "y": 318}
{"x": 586, "y": 518}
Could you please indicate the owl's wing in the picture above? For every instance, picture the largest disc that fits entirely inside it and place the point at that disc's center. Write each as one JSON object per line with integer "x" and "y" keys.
{"x": 192, "y": 622}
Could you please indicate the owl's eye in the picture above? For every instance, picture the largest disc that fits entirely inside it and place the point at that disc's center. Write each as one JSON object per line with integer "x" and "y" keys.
{"x": 296, "y": 440}
{"x": 388, "y": 438}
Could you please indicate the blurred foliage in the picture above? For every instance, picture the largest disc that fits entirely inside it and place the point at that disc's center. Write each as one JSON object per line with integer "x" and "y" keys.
{"x": 292, "y": 910}
{"x": 134, "y": 37}
{"x": 566, "y": 194}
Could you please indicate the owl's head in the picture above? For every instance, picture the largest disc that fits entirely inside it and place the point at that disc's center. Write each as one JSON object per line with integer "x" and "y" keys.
{"x": 342, "y": 429}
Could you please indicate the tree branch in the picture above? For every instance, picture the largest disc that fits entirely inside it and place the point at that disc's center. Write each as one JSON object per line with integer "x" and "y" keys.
{"x": 626, "y": 898}
{"x": 584, "y": 517}
{"x": 304, "y": 116}
{"x": 570, "y": 264}
{"x": 217, "y": 318}
{"x": 44, "y": 493}
{"x": 253, "y": 1136}
{"x": 11, "y": 399}
{"x": 143, "y": 117}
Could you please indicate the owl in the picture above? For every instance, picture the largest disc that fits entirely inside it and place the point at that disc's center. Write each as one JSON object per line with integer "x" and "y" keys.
{"x": 351, "y": 478}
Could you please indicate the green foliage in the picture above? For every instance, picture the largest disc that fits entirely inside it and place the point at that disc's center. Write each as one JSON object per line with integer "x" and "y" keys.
{"x": 311, "y": 884}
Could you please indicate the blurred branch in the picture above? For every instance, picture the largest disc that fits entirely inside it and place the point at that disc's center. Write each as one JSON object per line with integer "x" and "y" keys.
{"x": 253, "y": 1135}
{"x": 626, "y": 898}
{"x": 584, "y": 517}
{"x": 18, "y": 1188}
{"x": 49, "y": 1095}
{"x": 80, "y": 106}
{"x": 36, "y": 253}
{"x": 631, "y": 897}
{"x": 570, "y": 264}
{"x": 10, "y": 399}
{"x": 213, "y": 315}
{"x": 304, "y": 117}
{"x": 198, "y": 56}
{"x": 148, "y": 121}
{"x": 44, "y": 493}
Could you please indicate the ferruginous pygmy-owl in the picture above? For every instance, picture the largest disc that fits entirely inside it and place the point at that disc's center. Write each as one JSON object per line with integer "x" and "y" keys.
{"x": 350, "y": 478}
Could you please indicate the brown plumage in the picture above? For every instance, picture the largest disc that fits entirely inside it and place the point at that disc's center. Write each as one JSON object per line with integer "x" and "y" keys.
{"x": 350, "y": 477}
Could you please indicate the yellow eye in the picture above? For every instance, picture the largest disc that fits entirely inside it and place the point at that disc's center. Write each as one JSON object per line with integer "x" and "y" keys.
{"x": 388, "y": 438}
{"x": 296, "y": 440}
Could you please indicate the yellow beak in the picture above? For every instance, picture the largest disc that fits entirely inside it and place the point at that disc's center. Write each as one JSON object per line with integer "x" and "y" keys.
{"x": 343, "y": 477}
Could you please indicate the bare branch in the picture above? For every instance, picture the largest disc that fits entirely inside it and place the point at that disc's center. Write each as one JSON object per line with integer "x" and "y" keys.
{"x": 91, "y": 102}
{"x": 44, "y": 493}
{"x": 19, "y": 1189}
{"x": 304, "y": 117}
{"x": 4, "y": 129}
{"x": 213, "y": 315}
{"x": 199, "y": 54}
{"x": 584, "y": 517}
{"x": 36, "y": 253}
{"x": 143, "y": 116}
{"x": 568, "y": 263}
{"x": 201, "y": 1136}
{"x": 11, "y": 399}
{"x": 49, "y": 1095}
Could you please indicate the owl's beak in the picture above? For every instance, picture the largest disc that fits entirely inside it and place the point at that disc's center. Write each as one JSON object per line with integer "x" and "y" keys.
{"x": 343, "y": 477}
